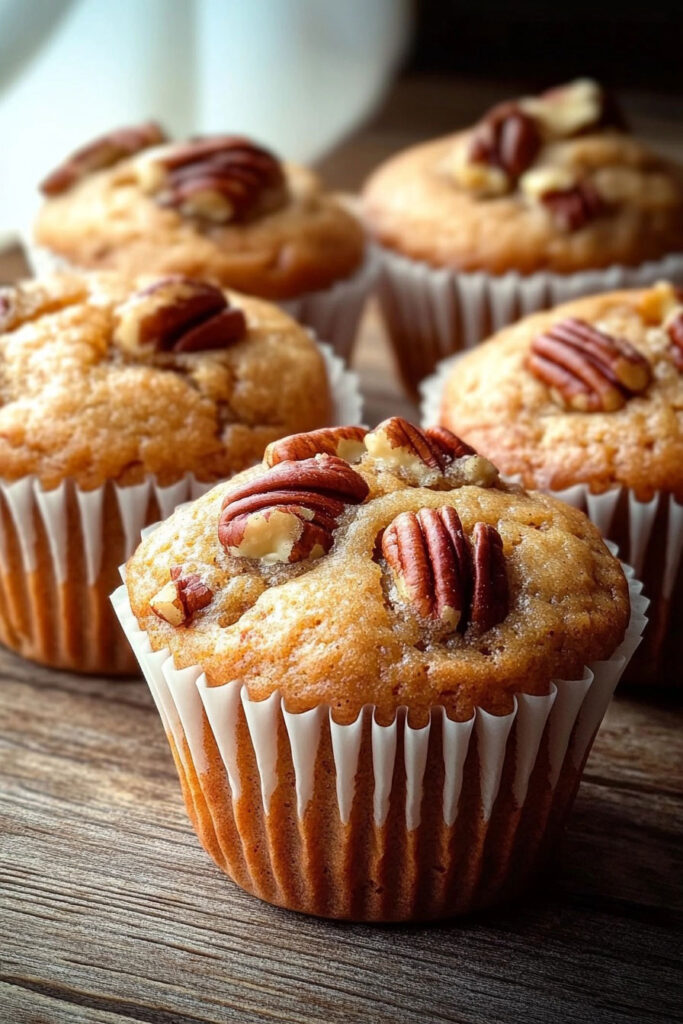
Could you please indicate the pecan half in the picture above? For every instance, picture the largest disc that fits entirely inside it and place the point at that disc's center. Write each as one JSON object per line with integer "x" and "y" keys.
{"x": 176, "y": 314}
{"x": 439, "y": 575}
{"x": 586, "y": 369}
{"x": 506, "y": 137}
{"x": 218, "y": 179}
{"x": 572, "y": 208}
{"x": 491, "y": 597}
{"x": 674, "y": 329}
{"x": 102, "y": 152}
{"x": 290, "y": 512}
{"x": 180, "y": 598}
{"x": 401, "y": 445}
{"x": 345, "y": 442}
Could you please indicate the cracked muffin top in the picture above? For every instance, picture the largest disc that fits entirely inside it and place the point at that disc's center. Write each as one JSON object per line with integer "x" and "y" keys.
{"x": 217, "y": 208}
{"x": 390, "y": 568}
{"x": 103, "y": 379}
{"x": 589, "y": 392}
{"x": 550, "y": 182}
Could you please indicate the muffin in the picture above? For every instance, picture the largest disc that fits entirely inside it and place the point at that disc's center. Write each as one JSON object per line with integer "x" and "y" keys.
{"x": 587, "y": 401}
{"x": 370, "y": 657}
{"x": 120, "y": 400}
{"x": 218, "y": 208}
{"x": 545, "y": 199}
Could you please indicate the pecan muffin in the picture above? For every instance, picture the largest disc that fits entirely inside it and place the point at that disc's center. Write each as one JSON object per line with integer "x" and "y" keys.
{"x": 587, "y": 400}
{"x": 371, "y": 659}
{"x": 546, "y": 198}
{"x": 118, "y": 401}
{"x": 219, "y": 208}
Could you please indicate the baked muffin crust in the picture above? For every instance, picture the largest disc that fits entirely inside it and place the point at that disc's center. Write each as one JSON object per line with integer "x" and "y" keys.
{"x": 332, "y": 629}
{"x": 76, "y": 401}
{"x": 419, "y": 204}
{"x": 107, "y": 221}
{"x": 493, "y": 400}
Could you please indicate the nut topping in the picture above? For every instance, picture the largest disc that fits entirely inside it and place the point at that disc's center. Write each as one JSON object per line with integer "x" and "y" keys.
{"x": 491, "y": 598}
{"x": 290, "y": 512}
{"x": 507, "y": 138}
{"x": 7, "y": 307}
{"x": 176, "y": 314}
{"x": 674, "y": 329}
{"x": 573, "y": 208}
{"x": 439, "y": 576}
{"x": 573, "y": 108}
{"x": 401, "y": 445}
{"x": 586, "y": 369}
{"x": 100, "y": 153}
{"x": 572, "y": 202}
{"x": 216, "y": 179}
{"x": 345, "y": 442}
{"x": 180, "y": 598}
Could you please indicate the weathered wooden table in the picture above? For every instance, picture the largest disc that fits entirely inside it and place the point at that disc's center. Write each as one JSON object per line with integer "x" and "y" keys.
{"x": 110, "y": 912}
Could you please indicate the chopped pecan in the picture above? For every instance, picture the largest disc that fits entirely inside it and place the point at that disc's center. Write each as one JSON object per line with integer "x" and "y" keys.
{"x": 586, "y": 369}
{"x": 571, "y": 109}
{"x": 507, "y": 138}
{"x": 290, "y": 512}
{"x": 180, "y": 598}
{"x": 345, "y": 442}
{"x": 574, "y": 207}
{"x": 437, "y": 573}
{"x": 674, "y": 329}
{"x": 103, "y": 152}
{"x": 218, "y": 179}
{"x": 176, "y": 314}
{"x": 400, "y": 444}
{"x": 7, "y": 306}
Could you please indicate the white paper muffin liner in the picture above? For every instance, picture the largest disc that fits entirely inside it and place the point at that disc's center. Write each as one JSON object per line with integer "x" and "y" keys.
{"x": 432, "y": 313}
{"x": 60, "y": 550}
{"x": 649, "y": 535}
{"x": 332, "y": 313}
{"x": 399, "y": 795}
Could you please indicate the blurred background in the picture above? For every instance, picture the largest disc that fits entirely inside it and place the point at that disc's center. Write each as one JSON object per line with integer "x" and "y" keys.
{"x": 339, "y": 83}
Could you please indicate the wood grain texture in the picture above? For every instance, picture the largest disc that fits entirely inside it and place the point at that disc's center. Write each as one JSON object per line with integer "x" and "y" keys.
{"x": 110, "y": 912}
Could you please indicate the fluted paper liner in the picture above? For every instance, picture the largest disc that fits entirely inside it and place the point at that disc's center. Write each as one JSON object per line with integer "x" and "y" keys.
{"x": 333, "y": 313}
{"x": 370, "y": 821}
{"x": 432, "y": 313}
{"x": 649, "y": 536}
{"x": 60, "y": 550}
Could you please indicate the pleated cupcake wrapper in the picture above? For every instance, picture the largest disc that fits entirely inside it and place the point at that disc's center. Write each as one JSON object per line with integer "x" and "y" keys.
{"x": 332, "y": 313}
{"x": 432, "y": 313}
{"x": 215, "y": 730}
{"x": 60, "y": 550}
{"x": 650, "y": 538}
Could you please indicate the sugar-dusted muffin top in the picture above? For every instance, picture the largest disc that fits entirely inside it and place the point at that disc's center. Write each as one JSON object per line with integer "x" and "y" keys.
{"x": 106, "y": 379}
{"x": 219, "y": 208}
{"x": 407, "y": 575}
{"x": 550, "y": 182}
{"x": 589, "y": 392}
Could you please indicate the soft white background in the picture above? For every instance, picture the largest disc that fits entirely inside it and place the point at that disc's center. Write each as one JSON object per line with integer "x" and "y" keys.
{"x": 296, "y": 74}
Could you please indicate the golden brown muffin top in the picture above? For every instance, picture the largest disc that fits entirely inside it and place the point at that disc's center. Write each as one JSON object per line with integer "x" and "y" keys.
{"x": 219, "y": 208}
{"x": 551, "y": 182}
{"x": 101, "y": 379}
{"x": 427, "y": 583}
{"x": 528, "y": 417}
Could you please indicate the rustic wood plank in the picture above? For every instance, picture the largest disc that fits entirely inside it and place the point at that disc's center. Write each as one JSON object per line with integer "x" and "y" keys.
{"x": 107, "y": 897}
